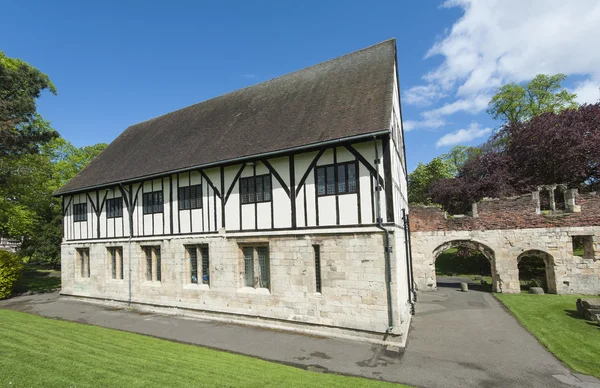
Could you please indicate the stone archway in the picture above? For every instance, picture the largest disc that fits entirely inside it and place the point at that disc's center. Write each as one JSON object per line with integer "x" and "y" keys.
{"x": 473, "y": 245}
{"x": 548, "y": 263}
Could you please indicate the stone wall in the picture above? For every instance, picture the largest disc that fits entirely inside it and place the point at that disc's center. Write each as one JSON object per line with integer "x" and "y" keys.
{"x": 352, "y": 269}
{"x": 507, "y": 228}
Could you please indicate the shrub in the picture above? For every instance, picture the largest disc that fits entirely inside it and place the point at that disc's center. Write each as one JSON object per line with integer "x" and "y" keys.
{"x": 11, "y": 267}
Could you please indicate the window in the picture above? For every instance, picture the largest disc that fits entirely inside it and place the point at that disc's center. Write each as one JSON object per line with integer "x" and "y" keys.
{"x": 152, "y": 263}
{"x": 83, "y": 256}
{"x": 153, "y": 202}
{"x": 114, "y": 207}
{"x": 317, "y": 250}
{"x": 190, "y": 197}
{"x": 115, "y": 255}
{"x": 80, "y": 212}
{"x": 199, "y": 271}
{"x": 255, "y": 189}
{"x": 583, "y": 246}
{"x": 336, "y": 179}
{"x": 257, "y": 267}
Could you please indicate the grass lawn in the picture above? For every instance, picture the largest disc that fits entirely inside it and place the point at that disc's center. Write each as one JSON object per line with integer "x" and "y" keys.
{"x": 42, "y": 352}
{"x": 554, "y": 321}
{"x": 37, "y": 279}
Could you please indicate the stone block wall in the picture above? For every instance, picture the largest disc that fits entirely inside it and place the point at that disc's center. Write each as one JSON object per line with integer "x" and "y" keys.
{"x": 509, "y": 227}
{"x": 352, "y": 270}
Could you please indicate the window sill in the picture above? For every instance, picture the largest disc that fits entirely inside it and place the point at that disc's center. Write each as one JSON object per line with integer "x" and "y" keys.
{"x": 152, "y": 283}
{"x": 254, "y": 291}
{"x": 192, "y": 286}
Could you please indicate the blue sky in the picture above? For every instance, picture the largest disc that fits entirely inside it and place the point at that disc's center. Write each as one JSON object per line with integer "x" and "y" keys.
{"x": 119, "y": 63}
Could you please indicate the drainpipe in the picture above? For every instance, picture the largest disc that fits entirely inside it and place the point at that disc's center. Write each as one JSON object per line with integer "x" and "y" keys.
{"x": 387, "y": 248}
{"x": 412, "y": 275}
{"x": 130, "y": 211}
{"x": 409, "y": 275}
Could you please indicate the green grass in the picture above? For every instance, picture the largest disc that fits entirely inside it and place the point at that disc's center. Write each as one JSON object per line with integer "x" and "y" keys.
{"x": 42, "y": 352}
{"x": 37, "y": 279}
{"x": 554, "y": 321}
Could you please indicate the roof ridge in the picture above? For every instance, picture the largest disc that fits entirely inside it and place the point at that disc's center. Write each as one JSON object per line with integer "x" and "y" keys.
{"x": 271, "y": 80}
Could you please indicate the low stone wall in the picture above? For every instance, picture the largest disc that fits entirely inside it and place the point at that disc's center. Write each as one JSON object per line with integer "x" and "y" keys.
{"x": 352, "y": 270}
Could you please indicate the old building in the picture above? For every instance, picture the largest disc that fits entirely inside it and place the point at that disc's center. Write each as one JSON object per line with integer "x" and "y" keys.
{"x": 506, "y": 230}
{"x": 281, "y": 204}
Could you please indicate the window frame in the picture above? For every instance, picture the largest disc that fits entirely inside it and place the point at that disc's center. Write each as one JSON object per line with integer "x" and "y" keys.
{"x": 113, "y": 211}
{"x": 318, "y": 278}
{"x": 263, "y": 267}
{"x": 195, "y": 200}
{"x": 152, "y": 260}
{"x": 252, "y": 181}
{"x": 153, "y": 202}
{"x": 336, "y": 181}
{"x": 202, "y": 264}
{"x": 80, "y": 215}
{"x": 114, "y": 260}
{"x": 83, "y": 258}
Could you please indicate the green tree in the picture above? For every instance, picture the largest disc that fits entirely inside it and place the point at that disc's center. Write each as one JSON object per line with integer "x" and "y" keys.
{"x": 456, "y": 158}
{"x": 515, "y": 103}
{"x": 22, "y": 130}
{"x": 423, "y": 177}
{"x": 62, "y": 162}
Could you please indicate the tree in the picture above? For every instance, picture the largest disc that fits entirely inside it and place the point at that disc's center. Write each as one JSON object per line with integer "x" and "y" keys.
{"x": 62, "y": 161}
{"x": 551, "y": 148}
{"x": 514, "y": 103}
{"x": 22, "y": 130}
{"x": 423, "y": 176}
{"x": 557, "y": 148}
{"x": 458, "y": 156}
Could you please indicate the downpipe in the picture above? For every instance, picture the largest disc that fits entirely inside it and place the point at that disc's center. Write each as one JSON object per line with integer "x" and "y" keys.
{"x": 387, "y": 248}
{"x": 412, "y": 276}
{"x": 130, "y": 211}
{"x": 409, "y": 274}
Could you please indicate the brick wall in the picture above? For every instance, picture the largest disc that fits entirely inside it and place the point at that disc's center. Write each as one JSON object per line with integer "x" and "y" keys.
{"x": 506, "y": 213}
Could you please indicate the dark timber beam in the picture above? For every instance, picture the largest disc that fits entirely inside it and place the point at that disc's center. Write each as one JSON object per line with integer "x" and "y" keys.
{"x": 366, "y": 163}
{"x": 309, "y": 169}
{"x": 277, "y": 176}
{"x": 237, "y": 176}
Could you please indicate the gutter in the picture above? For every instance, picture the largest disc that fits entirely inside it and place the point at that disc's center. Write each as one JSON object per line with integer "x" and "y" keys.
{"x": 387, "y": 248}
{"x": 242, "y": 159}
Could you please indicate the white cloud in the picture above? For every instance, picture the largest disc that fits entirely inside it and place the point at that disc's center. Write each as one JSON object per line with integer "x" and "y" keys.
{"x": 463, "y": 135}
{"x": 587, "y": 91}
{"x": 249, "y": 76}
{"x": 471, "y": 105}
{"x": 409, "y": 125}
{"x": 422, "y": 95}
{"x": 500, "y": 41}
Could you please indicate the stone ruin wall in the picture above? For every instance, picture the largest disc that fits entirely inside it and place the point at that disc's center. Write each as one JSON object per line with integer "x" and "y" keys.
{"x": 509, "y": 227}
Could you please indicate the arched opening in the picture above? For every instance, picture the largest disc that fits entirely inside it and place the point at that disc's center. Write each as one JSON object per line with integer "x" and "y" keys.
{"x": 465, "y": 261}
{"x": 536, "y": 269}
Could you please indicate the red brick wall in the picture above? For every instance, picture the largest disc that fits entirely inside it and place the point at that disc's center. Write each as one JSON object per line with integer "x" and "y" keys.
{"x": 506, "y": 213}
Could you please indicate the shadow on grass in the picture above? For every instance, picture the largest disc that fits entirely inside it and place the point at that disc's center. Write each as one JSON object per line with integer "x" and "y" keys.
{"x": 37, "y": 280}
{"x": 574, "y": 314}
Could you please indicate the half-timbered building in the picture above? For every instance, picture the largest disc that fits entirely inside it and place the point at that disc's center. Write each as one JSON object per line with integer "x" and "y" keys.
{"x": 282, "y": 204}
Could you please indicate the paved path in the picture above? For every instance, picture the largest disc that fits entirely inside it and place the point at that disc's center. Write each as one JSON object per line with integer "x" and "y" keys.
{"x": 457, "y": 340}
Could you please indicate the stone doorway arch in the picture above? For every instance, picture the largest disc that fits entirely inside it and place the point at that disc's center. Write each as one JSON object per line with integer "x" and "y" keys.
{"x": 548, "y": 263}
{"x": 473, "y": 245}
